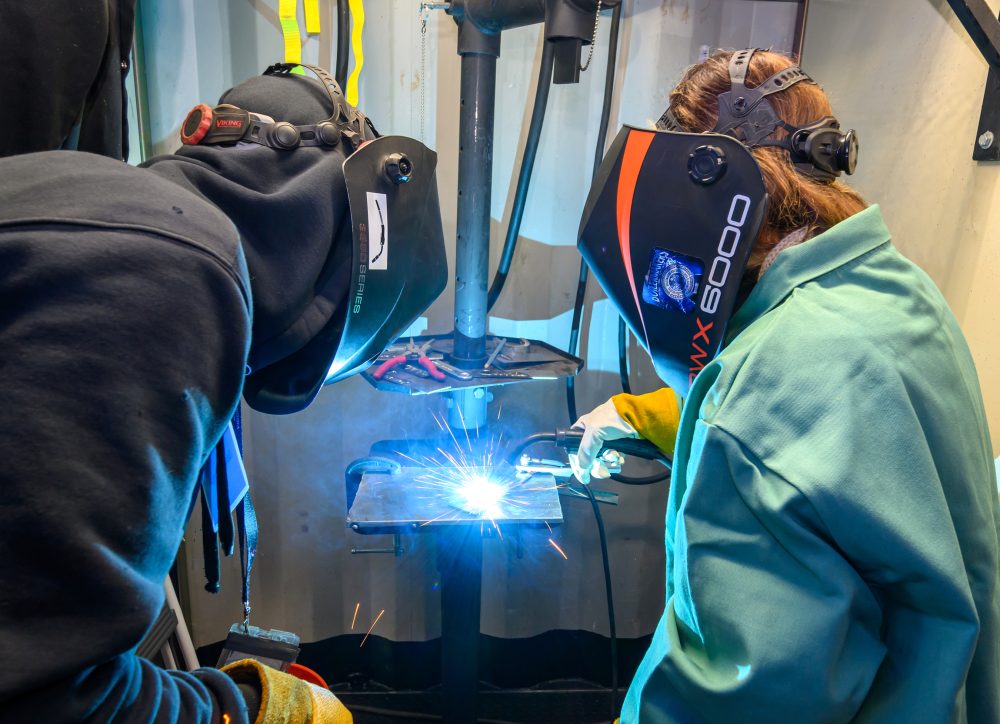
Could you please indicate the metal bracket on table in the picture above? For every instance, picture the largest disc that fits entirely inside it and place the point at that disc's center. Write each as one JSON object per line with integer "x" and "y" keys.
{"x": 984, "y": 29}
{"x": 601, "y": 496}
{"x": 396, "y": 549}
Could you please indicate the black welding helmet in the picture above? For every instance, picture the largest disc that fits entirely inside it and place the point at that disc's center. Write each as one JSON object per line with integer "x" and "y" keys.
{"x": 673, "y": 216}
{"x": 341, "y": 227}
{"x": 397, "y": 268}
{"x": 399, "y": 265}
{"x": 667, "y": 231}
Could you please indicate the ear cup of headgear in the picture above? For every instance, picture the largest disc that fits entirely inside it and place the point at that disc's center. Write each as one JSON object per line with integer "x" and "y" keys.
{"x": 829, "y": 150}
{"x": 847, "y": 154}
{"x": 284, "y": 135}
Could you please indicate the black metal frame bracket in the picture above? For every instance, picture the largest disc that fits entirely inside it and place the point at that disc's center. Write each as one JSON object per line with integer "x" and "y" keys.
{"x": 984, "y": 29}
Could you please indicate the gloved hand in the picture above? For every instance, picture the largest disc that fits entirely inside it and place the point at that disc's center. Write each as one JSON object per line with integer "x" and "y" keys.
{"x": 284, "y": 699}
{"x": 601, "y": 424}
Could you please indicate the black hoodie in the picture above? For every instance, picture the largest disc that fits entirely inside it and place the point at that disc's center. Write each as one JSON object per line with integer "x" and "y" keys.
{"x": 124, "y": 328}
{"x": 125, "y": 320}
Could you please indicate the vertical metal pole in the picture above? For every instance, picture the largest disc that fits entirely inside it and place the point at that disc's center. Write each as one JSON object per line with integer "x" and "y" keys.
{"x": 460, "y": 563}
{"x": 800, "y": 30}
{"x": 475, "y": 176}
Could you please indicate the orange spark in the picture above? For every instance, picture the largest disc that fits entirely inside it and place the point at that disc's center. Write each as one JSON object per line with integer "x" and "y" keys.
{"x": 373, "y": 626}
{"x": 354, "y": 620}
{"x": 556, "y": 546}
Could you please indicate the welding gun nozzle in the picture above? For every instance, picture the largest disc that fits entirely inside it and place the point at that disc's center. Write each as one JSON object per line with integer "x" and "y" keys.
{"x": 569, "y": 439}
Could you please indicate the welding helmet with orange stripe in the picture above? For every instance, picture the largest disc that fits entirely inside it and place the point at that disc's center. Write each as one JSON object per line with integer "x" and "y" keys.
{"x": 673, "y": 216}
{"x": 667, "y": 231}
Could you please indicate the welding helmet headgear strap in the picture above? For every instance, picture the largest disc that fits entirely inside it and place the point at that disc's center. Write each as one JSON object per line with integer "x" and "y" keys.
{"x": 346, "y": 120}
{"x": 667, "y": 231}
{"x": 228, "y": 124}
{"x": 818, "y": 149}
{"x": 668, "y": 122}
{"x": 743, "y": 112}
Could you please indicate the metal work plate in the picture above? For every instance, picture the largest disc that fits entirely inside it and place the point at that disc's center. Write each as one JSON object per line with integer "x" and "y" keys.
{"x": 519, "y": 360}
{"x": 416, "y": 497}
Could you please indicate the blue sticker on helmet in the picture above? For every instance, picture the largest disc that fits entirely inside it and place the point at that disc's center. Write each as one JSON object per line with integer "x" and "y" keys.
{"x": 672, "y": 280}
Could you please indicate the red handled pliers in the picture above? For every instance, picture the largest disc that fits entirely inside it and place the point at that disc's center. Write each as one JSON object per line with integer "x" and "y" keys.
{"x": 411, "y": 351}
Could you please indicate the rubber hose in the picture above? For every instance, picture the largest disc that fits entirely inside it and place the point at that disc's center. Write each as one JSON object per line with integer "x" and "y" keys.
{"x": 623, "y": 356}
{"x": 343, "y": 42}
{"x": 524, "y": 175}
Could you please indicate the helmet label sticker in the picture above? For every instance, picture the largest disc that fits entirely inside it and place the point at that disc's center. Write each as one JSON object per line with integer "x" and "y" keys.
{"x": 672, "y": 280}
{"x": 378, "y": 224}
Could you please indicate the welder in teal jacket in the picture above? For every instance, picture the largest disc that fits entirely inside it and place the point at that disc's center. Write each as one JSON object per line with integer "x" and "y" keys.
{"x": 832, "y": 526}
{"x": 832, "y": 537}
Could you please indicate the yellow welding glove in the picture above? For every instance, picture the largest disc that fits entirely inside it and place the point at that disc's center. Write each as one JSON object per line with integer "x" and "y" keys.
{"x": 285, "y": 699}
{"x": 655, "y": 416}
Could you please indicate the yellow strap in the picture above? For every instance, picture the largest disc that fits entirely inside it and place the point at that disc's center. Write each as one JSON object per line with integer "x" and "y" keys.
{"x": 288, "y": 15}
{"x": 358, "y": 24}
{"x": 312, "y": 16}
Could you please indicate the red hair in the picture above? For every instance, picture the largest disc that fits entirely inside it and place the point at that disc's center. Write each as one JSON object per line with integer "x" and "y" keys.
{"x": 794, "y": 199}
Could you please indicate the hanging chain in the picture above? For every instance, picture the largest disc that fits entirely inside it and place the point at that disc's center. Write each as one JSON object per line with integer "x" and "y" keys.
{"x": 593, "y": 40}
{"x": 425, "y": 14}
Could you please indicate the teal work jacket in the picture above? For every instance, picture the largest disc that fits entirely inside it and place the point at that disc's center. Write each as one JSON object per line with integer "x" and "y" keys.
{"x": 832, "y": 525}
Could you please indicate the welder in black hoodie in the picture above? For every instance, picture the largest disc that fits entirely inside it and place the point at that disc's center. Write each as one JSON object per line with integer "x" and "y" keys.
{"x": 133, "y": 303}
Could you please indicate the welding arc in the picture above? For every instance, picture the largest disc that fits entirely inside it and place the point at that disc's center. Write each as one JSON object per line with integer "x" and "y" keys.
{"x": 602, "y": 138}
{"x": 524, "y": 175}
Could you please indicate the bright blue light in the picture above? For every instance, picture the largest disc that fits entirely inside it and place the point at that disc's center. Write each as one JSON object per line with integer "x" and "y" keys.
{"x": 479, "y": 495}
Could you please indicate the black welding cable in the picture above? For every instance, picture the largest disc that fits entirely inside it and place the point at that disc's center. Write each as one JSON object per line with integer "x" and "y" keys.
{"x": 574, "y": 336}
{"x": 646, "y": 480}
{"x": 602, "y": 138}
{"x": 524, "y": 175}
{"x": 623, "y": 356}
{"x": 611, "y": 600}
{"x": 343, "y": 41}
{"x": 524, "y": 443}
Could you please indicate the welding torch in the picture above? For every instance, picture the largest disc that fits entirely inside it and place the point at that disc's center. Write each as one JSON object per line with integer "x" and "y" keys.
{"x": 569, "y": 440}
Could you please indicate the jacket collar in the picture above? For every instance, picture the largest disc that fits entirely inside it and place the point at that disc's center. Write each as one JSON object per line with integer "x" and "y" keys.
{"x": 845, "y": 242}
